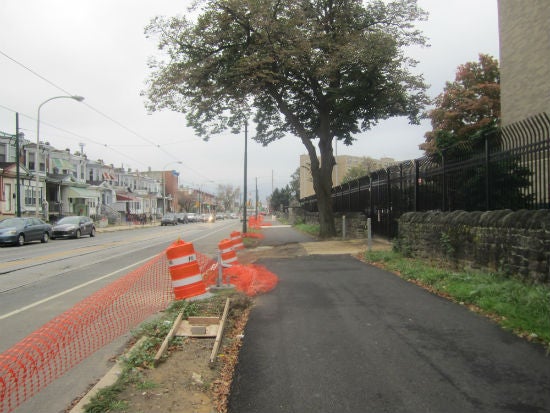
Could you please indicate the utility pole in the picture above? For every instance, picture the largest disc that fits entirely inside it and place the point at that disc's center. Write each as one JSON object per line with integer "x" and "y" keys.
{"x": 245, "y": 178}
{"x": 256, "y": 196}
{"x": 17, "y": 170}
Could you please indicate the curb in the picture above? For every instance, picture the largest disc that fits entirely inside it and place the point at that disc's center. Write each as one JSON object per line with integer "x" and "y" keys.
{"x": 107, "y": 380}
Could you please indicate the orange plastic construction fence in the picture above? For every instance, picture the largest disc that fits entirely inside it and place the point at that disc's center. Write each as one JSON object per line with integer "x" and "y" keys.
{"x": 250, "y": 279}
{"x": 53, "y": 349}
{"x": 46, "y": 354}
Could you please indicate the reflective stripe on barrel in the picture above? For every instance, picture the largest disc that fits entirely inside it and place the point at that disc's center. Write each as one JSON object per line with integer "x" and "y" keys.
{"x": 227, "y": 253}
{"x": 237, "y": 240}
{"x": 184, "y": 270}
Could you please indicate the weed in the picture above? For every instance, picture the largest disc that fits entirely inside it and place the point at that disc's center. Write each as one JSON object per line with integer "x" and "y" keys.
{"x": 447, "y": 244}
{"x": 312, "y": 229}
{"x": 518, "y": 306}
{"x": 146, "y": 385}
{"x": 106, "y": 400}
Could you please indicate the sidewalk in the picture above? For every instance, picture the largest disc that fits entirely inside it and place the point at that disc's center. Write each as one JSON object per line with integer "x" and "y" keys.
{"x": 339, "y": 335}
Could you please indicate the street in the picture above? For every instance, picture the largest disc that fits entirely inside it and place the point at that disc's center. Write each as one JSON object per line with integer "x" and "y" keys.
{"x": 41, "y": 281}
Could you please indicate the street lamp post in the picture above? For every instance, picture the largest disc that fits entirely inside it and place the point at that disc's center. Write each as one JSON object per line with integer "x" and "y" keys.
{"x": 36, "y": 156}
{"x": 164, "y": 186}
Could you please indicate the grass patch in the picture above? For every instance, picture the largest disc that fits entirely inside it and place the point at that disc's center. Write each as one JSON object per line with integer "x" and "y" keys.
{"x": 312, "y": 229}
{"x": 517, "y": 306}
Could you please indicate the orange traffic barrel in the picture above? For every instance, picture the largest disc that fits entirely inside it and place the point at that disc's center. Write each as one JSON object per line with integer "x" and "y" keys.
{"x": 184, "y": 270}
{"x": 237, "y": 240}
{"x": 227, "y": 253}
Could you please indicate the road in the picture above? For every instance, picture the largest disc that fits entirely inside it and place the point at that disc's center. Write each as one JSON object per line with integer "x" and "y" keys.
{"x": 41, "y": 281}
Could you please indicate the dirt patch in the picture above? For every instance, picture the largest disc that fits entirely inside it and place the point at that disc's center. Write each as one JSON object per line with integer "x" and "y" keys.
{"x": 180, "y": 384}
{"x": 185, "y": 380}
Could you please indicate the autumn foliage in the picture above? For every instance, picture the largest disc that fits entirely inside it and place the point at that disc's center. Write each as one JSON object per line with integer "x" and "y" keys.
{"x": 468, "y": 107}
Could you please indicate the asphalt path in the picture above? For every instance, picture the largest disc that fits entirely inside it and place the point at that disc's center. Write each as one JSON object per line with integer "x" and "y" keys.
{"x": 339, "y": 335}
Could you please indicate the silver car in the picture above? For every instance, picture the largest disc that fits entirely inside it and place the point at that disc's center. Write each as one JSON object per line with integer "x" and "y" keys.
{"x": 73, "y": 227}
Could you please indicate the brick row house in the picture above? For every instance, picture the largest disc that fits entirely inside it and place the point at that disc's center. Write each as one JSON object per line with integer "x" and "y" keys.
{"x": 71, "y": 184}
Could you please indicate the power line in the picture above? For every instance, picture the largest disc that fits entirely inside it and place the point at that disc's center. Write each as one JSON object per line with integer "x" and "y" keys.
{"x": 156, "y": 145}
{"x": 110, "y": 147}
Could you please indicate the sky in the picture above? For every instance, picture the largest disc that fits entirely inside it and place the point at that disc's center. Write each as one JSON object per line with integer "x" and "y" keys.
{"x": 97, "y": 49}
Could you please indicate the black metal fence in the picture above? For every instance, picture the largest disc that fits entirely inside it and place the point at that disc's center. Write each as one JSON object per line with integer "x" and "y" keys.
{"x": 510, "y": 171}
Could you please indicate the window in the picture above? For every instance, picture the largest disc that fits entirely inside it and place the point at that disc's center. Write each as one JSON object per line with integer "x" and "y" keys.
{"x": 30, "y": 194}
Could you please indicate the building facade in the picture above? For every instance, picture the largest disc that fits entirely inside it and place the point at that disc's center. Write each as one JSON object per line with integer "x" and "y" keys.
{"x": 344, "y": 163}
{"x": 524, "y": 59}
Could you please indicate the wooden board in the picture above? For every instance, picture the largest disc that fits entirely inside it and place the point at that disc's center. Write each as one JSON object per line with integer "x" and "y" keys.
{"x": 184, "y": 329}
{"x": 203, "y": 321}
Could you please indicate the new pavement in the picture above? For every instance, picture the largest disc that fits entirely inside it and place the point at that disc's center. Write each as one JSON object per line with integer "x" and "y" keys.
{"x": 338, "y": 335}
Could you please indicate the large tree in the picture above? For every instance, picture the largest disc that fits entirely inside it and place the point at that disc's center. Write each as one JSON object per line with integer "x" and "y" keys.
{"x": 317, "y": 69}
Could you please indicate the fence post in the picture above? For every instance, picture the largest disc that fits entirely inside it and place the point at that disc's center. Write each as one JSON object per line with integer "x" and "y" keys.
{"x": 443, "y": 207}
{"x": 369, "y": 234}
{"x": 416, "y": 184}
{"x": 343, "y": 227}
{"x": 487, "y": 171}
{"x": 389, "y": 212}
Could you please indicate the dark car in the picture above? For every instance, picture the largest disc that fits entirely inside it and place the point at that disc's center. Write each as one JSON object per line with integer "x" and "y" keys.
{"x": 73, "y": 227}
{"x": 169, "y": 219}
{"x": 18, "y": 231}
{"x": 182, "y": 218}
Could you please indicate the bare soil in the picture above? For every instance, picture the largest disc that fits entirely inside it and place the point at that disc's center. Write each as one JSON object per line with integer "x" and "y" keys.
{"x": 186, "y": 381}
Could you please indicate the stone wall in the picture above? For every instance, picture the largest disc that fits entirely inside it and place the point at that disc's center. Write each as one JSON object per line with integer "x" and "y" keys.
{"x": 515, "y": 243}
{"x": 356, "y": 223}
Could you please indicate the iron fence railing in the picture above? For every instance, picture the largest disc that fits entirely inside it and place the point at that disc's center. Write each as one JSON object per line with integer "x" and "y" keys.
{"x": 511, "y": 171}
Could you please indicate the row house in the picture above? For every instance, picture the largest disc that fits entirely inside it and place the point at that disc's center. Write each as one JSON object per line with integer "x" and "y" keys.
{"x": 70, "y": 184}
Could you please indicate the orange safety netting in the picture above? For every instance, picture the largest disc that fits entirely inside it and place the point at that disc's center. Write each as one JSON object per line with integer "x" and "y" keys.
{"x": 47, "y": 353}
{"x": 251, "y": 279}
{"x": 53, "y": 349}
{"x": 257, "y": 235}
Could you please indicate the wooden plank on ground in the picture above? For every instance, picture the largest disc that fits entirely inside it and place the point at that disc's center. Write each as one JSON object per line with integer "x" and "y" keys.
{"x": 220, "y": 332}
{"x": 203, "y": 321}
{"x": 170, "y": 334}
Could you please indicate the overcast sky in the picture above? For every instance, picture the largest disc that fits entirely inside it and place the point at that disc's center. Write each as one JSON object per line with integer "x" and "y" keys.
{"x": 97, "y": 49}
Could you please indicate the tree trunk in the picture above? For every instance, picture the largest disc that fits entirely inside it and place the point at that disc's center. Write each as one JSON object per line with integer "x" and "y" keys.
{"x": 321, "y": 173}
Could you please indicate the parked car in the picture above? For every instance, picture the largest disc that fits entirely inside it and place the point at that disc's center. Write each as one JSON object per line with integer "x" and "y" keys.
{"x": 18, "y": 231}
{"x": 73, "y": 227}
{"x": 182, "y": 217}
{"x": 192, "y": 217}
{"x": 169, "y": 219}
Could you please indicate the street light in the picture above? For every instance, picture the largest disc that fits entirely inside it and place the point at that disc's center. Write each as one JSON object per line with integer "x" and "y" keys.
{"x": 164, "y": 186}
{"x": 36, "y": 159}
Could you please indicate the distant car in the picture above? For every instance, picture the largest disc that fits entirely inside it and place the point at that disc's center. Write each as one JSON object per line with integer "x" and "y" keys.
{"x": 192, "y": 217}
{"x": 73, "y": 227}
{"x": 220, "y": 215}
{"x": 18, "y": 231}
{"x": 182, "y": 217}
{"x": 169, "y": 219}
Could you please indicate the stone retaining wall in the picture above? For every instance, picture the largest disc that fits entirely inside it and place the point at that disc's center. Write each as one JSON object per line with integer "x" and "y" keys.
{"x": 356, "y": 223}
{"x": 515, "y": 243}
